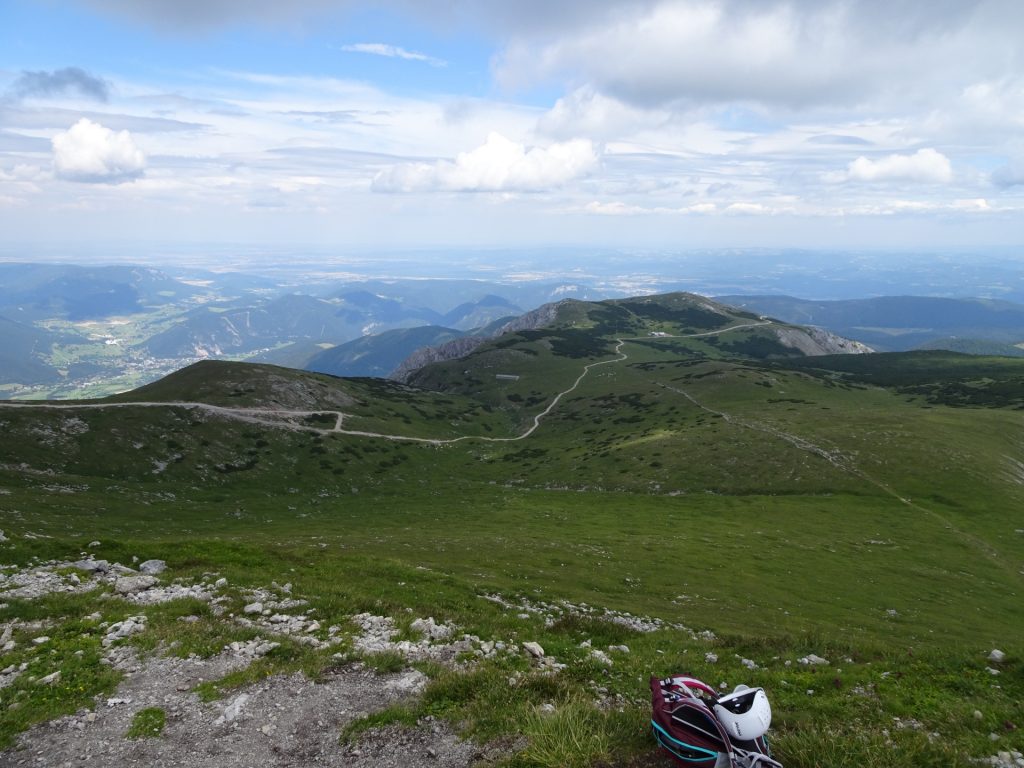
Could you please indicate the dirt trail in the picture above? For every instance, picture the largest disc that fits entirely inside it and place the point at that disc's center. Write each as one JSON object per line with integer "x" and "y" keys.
{"x": 262, "y": 415}
{"x": 282, "y": 720}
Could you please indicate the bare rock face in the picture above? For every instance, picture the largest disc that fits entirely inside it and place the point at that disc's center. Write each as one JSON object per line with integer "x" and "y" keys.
{"x": 456, "y": 348}
{"x": 450, "y": 350}
{"x": 817, "y": 341}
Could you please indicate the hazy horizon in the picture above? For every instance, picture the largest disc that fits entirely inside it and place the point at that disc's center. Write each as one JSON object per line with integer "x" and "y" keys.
{"x": 684, "y": 124}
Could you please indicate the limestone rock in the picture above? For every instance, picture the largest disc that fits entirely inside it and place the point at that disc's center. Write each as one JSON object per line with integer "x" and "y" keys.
{"x": 129, "y": 585}
{"x": 534, "y": 649}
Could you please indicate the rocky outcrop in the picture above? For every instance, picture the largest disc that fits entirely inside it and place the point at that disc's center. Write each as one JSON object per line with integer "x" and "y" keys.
{"x": 817, "y": 341}
{"x": 456, "y": 348}
{"x": 450, "y": 350}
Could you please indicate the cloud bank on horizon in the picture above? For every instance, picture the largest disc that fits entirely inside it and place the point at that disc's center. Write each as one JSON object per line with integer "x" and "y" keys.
{"x": 654, "y": 122}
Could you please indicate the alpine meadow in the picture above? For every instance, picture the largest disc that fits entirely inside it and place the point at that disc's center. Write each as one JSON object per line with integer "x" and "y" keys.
{"x": 662, "y": 475}
{"x": 493, "y": 384}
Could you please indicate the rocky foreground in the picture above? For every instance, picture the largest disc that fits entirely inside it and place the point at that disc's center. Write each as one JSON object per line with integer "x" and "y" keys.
{"x": 242, "y": 705}
{"x": 281, "y": 719}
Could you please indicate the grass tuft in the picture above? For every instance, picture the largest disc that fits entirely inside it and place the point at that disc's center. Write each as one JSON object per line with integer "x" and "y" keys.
{"x": 148, "y": 723}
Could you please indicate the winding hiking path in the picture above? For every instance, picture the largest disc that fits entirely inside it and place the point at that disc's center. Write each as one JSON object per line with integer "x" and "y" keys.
{"x": 282, "y": 419}
{"x": 263, "y": 416}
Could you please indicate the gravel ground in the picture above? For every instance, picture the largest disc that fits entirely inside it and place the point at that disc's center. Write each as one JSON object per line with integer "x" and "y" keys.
{"x": 280, "y": 721}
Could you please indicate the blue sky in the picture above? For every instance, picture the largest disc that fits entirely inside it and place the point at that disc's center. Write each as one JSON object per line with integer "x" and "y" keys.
{"x": 675, "y": 123}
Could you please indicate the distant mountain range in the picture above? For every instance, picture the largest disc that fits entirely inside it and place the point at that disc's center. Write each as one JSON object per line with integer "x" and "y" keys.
{"x": 378, "y": 354}
{"x": 77, "y": 331}
{"x": 30, "y": 292}
{"x": 900, "y": 323}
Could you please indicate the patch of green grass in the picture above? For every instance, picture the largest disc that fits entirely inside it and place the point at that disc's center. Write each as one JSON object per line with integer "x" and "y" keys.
{"x": 74, "y": 651}
{"x": 288, "y": 658}
{"x": 147, "y": 723}
{"x": 395, "y": 714}
{"x": 385, "y": 662}
{"x": 576, "y": 735}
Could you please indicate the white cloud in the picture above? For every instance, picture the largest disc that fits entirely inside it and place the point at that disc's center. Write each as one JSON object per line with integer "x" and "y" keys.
{"x": 393, "y": 52}
{"x": 972, "y": 205}
{"x": 789, "y": 53}
{"x": 924, "y": 166}
{"x": 499, "y": 165}
{"x": 748, "y": 208}
{"x": 90, "y": 152}
{"x": 587, "y": 112}
{"x": 617, "y": 208}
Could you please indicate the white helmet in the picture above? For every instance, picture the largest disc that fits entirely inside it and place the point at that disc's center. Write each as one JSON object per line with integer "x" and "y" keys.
{"x": 745, "y": 713}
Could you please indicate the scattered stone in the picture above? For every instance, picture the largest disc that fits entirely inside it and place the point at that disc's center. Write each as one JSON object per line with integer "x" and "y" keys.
{"x": 50, "y": 679}
{"x": 748, "y": 663}
{"x": 40, "y": 640}
{"x": 992, "y": 671}
{"x": 413, "y": 681}
{"x": 93, "y": 544}
{"x": 711, "y": 658}
{"x": 601, "y": 657}
{"x": 547, "y": 708}
{"x": 812, "y": 660}
{"x": 534, "y": 649}
{"x": 114, "y": 701}
{"x": 234, "y": 708}
{"x": 2, "y": 537}
{"x": 122, "y": 629}
{"x": 220, "y": 583}
{"x": 8, "y": 675}
{"x": 997, "y": 656}
{"x": 431, "y": 629}
{"x": 153, "y": 567}
{"x": 619, "y": 648}
{"x": 129, "y": 585}
{"x": 92, "y": 566}
{"x": 164, "y": 594}
{"x": 978, "y": 715}
{"x": 253, "y": 608}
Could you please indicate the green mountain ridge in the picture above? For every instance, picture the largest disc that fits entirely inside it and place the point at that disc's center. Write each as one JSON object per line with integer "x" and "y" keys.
{"x": 663, "y": 456}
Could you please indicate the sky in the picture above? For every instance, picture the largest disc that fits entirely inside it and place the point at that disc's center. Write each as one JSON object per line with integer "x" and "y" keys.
{"x": 468, "y": 123}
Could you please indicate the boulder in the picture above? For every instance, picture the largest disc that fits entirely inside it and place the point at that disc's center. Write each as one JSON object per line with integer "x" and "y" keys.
{"x": 534, "y": 649}
{"x": 153, "y": 567}
{"x": 129, "y": 585}
{"x": 93, "y": 566}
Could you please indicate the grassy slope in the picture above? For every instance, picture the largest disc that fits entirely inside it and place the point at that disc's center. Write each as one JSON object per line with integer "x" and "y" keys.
{"x": 630, "y": 497}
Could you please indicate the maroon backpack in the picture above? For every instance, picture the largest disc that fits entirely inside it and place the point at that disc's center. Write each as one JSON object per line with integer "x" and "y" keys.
{"x": 685, "y": 726}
